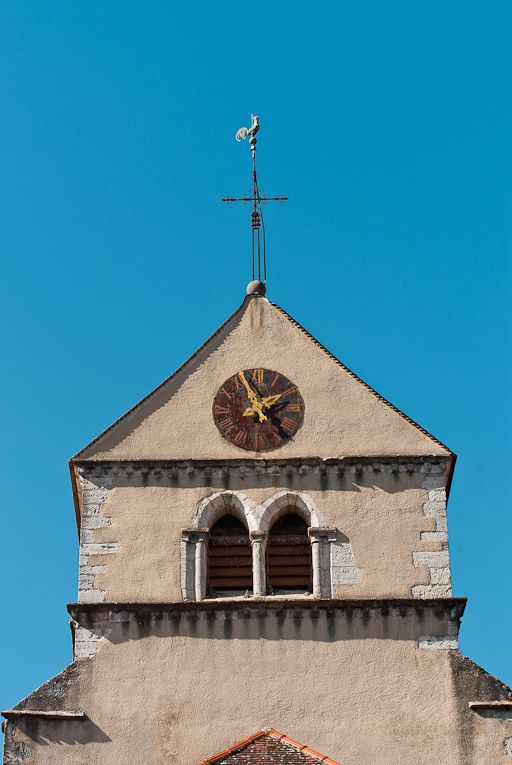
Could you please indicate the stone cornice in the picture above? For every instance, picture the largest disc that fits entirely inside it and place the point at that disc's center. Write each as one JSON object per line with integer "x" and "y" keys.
{"x": 431, "y": 624}
{"x": 241, "y": 467}
{"x": 504, "y": 704}
{"x": 452, "y": 607}
{"x": 348, "y": 460}
{"x": 279, "y": 471}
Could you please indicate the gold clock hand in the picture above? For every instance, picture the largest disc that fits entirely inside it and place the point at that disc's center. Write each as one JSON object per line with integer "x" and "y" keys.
{"x": 250, "y": 392}
{"x": 269, "y": 401}
{"x": 259, "y": 411}
{"x": 256, "y": 406}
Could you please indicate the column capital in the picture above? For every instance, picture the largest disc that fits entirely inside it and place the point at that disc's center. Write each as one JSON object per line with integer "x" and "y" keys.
{"x": 321, "y": 534}
{"x": 258, "y": 536}
{"x": 195, "y": 535}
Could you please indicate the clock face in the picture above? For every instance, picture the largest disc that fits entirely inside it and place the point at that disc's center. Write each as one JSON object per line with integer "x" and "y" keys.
{"x": 258, "y": 409}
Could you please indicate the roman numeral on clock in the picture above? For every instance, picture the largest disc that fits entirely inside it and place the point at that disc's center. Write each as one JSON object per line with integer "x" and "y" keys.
{"x": 240, "y": 438}
{"x": 226, "y": 424}
{"x": 288, "y": 424}
{"x": 258, "y": 375}
{"x": 219, "y": 409}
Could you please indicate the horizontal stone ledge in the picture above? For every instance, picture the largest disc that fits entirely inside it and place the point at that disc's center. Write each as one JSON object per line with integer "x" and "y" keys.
{"x": 59, "y": 714}
{"x": 427, "y": 463}
{"x": 453, "y": 608}
{"x": 505, "y": 704}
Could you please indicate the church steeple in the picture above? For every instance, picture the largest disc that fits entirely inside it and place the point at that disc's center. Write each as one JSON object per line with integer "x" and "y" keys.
{"x": 263, "y": 542}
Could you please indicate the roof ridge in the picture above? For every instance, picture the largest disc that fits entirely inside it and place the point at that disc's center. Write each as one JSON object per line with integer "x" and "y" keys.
{"x": 273, "y": 733}
{"x": 233, "y": 749}
{"x": 302, "y": 747}
{"x": 379, "y": 396}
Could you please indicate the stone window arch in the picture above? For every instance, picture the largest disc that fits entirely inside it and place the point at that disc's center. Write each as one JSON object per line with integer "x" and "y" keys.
{"x": 195, "y": 541}
{"x": 235, "y": 503}
{"x": 290, "y": 501}
{"x": 298, "y": 503}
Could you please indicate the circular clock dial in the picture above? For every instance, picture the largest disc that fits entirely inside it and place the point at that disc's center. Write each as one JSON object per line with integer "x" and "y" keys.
{"x": 258, "y": 409}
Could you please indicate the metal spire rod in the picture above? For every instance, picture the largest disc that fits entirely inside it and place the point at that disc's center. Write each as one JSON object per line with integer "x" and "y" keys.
{"x": 259, "y": 244}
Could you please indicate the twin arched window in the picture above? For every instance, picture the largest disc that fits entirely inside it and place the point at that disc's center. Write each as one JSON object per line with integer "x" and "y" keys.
{"x": 287, "y": 557}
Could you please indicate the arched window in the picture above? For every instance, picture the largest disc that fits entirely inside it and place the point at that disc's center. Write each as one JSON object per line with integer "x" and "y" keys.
{"x": 229, "y": 558}
{"x": 289, "y": 556}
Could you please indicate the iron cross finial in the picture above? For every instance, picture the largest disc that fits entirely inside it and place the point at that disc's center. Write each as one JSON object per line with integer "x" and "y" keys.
{"x": 259, "y": 246}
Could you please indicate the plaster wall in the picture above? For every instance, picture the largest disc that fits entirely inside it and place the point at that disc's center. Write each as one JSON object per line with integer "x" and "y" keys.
{"x": 342, "y": 415}
{"x": 354, "y": 686}
{"x": 385, "y": 513}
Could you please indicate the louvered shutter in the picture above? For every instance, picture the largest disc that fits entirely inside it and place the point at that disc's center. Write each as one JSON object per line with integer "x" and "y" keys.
{"x": 229, "y": 557}
{"x": 289, "y": 555}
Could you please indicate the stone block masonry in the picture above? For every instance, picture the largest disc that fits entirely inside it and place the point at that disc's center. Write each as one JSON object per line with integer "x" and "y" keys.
{"x": 93, "y": 498}
{"x": 436, "y": 561}
{"x": 446, "y": 643}
{"x": 86, "y": 640}
{"x": 343, "y": 568}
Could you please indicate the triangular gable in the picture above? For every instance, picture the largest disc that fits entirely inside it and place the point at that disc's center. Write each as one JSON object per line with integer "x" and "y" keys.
{"x": 344, "y": 417}
{"x": 265, "y": 747}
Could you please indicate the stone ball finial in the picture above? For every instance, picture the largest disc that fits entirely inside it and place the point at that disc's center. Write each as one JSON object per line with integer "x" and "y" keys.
{"x": 256, "y": 287}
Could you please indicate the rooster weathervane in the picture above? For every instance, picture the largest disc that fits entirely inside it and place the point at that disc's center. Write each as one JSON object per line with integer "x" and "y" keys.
{"x": 242, "y": 134}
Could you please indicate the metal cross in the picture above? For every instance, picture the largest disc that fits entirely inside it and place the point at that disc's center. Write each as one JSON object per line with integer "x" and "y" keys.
{"x": 259, "y": 247}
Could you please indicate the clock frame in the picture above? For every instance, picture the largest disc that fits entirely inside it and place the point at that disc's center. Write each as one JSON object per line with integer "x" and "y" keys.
{"x": 258, "y": 409}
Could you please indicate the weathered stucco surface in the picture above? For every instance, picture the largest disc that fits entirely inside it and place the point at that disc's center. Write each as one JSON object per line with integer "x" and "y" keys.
{"x": 378, "y": 510}
{"x": 342, "y": 416}
{"x": 352, "y": 683}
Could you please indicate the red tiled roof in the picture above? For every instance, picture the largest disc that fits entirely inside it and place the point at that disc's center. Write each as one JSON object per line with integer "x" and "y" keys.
{"x": 268, "y": 747}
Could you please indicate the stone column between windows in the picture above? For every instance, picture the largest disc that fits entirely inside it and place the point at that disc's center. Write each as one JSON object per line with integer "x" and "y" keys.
{"x": 201, "y": 573}
{"x": 188, "y": 564}
{"x": 259, "y": 577}
{"x": 321, "y": 558}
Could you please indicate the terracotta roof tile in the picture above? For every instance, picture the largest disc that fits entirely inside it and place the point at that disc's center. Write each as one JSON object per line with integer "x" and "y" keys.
{"x": 268, "y": 747}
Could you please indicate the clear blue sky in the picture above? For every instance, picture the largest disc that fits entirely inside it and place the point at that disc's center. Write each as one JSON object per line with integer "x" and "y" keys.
{"x": 389, "y": 126}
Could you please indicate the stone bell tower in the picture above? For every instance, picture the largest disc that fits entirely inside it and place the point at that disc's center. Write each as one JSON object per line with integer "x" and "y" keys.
{"x": 263, "y": 548}
{"x": 264, "y": 576}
